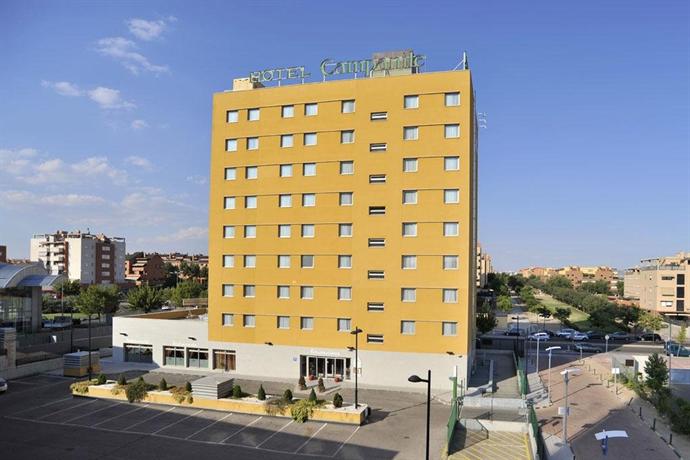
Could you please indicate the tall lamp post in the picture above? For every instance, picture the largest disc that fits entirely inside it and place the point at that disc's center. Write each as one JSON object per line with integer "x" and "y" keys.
{"x": 538, "y": 340}
{"x": 550, "y": 349}
{"x": 417, "y": 379}
{"x": 356, "y": 333}
{"x": 566, "y": 378}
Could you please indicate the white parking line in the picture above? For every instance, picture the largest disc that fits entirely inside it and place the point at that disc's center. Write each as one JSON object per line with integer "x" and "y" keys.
{"x": 44, "y": 405}
{"x": 310, "y": 438}
{"x": 346, "y": 441}
{"x": 275, "y": 433}
{"x": 84, "y": 415}
{"x": 149, "y": 419}
{"x": 124, "y": 413}
{"x": 67, "y": 408}
{"x": 178, "y": 421}
{"x": 208, "y": 426}
{"x": 242, "y": 429}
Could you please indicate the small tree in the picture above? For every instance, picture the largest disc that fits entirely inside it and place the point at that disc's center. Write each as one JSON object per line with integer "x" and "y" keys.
{"x": 312, "y": 395}
{"x": 101, "y": 379}
{"x": 188, "y": 387}
{"x": 321, "y": 386}
{"x": 301, "y": 383}
{"x": 144, "y": 298}
{"x": 236, "y": 391}
{"x": 163, "y": 385}
{"x": 141, "y": 379}
{"x": 650, "y": 321}
{"x": 657, "y": 372}
{"x": 682, "y": 335}
{"x": 504, "y": 303}
{"x": 122, "y": 380}
{"x": 562, "y": 314}
{"x": 261, "y": 394}
{"x": 287, "y": 395}
{"x": 337, "y": 400}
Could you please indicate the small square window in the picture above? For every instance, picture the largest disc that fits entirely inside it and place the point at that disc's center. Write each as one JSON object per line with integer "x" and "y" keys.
{"x": 306, "y": 292}
{"x": 249, "y": 320}
{"x": 344, "y": 230}
{"x": 407, "y": 327}
{"x": 408, "y": 294}
{"x": 346, "y": 199}
{"x": 409, "y": 262}
{"x": 309, "y": 169}
{"x": 283, "y": 292}
{"x": 452, "y": 99}
{"x": 311, "y": 109}
{"x": 253, "y": 114}
{"x": 285, "y": 170}
{"x": 451, "y": 163}
{"x": 409, "y": 165}
{"x": 228, "y": 290}
{"x": 347, "y": 137}
{"x": 286, "y": 140}
{"x": 284, "y": 231}
{"x": 250, "y": 231}
{"x": 228, "y": 319}
{"x": 344, "y": 324}
{"x": 307, "y": 261}
{"x": 283, "y": 322}
{"x": 450, "y": 262}
{"x": 228, "y": 261}
{"x": 451, "y": 196}
{"x": 449, "y": 328}
{"x": 288, "y": 111}
{"x": 251, "y": 172}
{"x": 307, "y": 230}
{"x": 411, "y": 102}
{"x": 344, "y": 293}
{"x": 344, "y": 261}
{"x": 409, "y": 196}
{"x": 410, "y": 133}
{"x": 231, "y": 116}
{"x": 285, "y": 201}
{"x": 283, "y": 261}
{"x": 307, "y": 323}
{"x": 452, "y": 131}
{"x": 308, "y": 200}
{"x": 309, "y": 138}
{"x": 348, "y": 106}
{"x": 249, "y": 290}
{"x": 249, "y": 261}
{"x": 252, "y": 143}
{"x": 450, "y": 296}
{"x": 347, "y": 167}
{"x": 228, "y": 231}
{"x": 450, "y": 229}
{"x": 230, "y": 174}
{"x": 229, "y": 202}
{"x": 231, "y": 145}
{"x": 409, "y": 229}
{"x": 250, "y": 202}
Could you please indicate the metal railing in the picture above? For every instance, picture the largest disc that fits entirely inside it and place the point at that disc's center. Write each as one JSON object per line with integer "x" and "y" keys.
{"x": 539, "y": 439}
{"x": 522, "y": 377}
{"x": 455, "y": 409}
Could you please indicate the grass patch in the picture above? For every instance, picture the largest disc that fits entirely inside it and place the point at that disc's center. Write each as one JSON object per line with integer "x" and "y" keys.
{"x": 578, "y": 318}
{"x": 75, "y": 315}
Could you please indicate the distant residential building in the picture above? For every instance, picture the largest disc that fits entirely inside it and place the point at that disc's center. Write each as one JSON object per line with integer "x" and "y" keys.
{"x": 176, "y": 259}
{"x": 143, "y": 268}
{"x": 3, "y": 254}
{"x": 484, "y": 267}
{"x": 85, "y": 257}
{"x": 577, "y": 275}
{"x": 660, "y": 284}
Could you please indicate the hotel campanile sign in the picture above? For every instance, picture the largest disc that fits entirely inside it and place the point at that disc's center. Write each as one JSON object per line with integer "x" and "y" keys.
{"x": 407, "y": 60}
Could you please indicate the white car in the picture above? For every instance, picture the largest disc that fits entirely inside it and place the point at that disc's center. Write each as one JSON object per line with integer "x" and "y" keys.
{"x": 567, "y": 333}
{"x": 541, "y": 336}
{"x": 3, "y": 385}
{"x": 579, "y": 336}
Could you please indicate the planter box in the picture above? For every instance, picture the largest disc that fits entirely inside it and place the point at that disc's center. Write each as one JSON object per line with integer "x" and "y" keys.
{"x": 249, "y": 405}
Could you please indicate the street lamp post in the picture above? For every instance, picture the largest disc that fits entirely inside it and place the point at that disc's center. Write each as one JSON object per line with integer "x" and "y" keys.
{"x": 607, "y": 337}
{"x": 550, "y": 349}
{"x": 417, "y": 379}
{"x": 538, "y": 340}
{"x": 566, "y": 378}
{"x": 356, "y": 333}
{"x": 670, "y": 352}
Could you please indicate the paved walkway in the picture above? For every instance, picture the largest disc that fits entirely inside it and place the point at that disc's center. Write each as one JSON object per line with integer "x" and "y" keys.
{"x": 480, "y": 445}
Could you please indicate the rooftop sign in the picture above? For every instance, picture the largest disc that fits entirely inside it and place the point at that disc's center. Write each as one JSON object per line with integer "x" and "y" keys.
{"x": 285, "y": 73}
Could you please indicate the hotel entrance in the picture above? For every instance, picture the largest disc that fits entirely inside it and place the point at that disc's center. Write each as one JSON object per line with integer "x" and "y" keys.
{"x": 325, "y": 366}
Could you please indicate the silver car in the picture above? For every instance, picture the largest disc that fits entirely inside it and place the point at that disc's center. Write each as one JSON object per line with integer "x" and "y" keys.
{"x": 3, "y": 385}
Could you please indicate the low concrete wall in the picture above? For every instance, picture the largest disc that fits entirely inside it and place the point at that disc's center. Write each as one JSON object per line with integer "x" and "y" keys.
{"x": 494, "y": 425}
{"x": 32, "y": 368}
{"x": 497, "y": 403}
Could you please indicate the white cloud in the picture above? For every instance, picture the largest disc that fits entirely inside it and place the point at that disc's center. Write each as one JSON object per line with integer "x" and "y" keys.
{"x": 27, "y": 199}
{"x": 148, "y": 30}
{"x": 56, "y": 171}
{"x": 123, "y": 51}
{"x": 183, "y": 234}
{"x": 108, "y": 98}
{"x": 139, "y": 161}
{"x": 16, "y": 161}
{"x": 196, "y": 179}
{"x": 63, "y": 88}
{"x": 139, "y": 124}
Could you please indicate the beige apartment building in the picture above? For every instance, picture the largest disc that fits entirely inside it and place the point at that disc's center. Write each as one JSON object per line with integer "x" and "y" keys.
{"x": 660, "y": 284}
{"x": 484, "y": 267}
{"x": 577, "y": 275}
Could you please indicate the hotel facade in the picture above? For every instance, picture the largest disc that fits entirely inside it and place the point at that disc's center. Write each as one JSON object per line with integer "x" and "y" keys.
{"x": 335, "y": 207}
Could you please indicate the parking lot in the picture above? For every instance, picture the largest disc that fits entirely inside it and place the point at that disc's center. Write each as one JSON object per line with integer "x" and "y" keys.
{"x": 41, "y": 416}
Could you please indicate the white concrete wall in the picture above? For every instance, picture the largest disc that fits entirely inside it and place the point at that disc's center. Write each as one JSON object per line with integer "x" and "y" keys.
{"x": 378, "y": 369}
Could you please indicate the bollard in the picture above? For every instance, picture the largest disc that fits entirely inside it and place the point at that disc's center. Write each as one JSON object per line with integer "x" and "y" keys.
{"x": 595, "y": 371}
{"x": 670, "y": 438}
{"x": 654, "y": 424}
{"x": 640, "y": 411}
{"x": 607, "y": 383}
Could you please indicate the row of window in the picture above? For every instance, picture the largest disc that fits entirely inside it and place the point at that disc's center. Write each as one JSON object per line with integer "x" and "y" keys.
{"x": 451, "y": 163}
{"x": 407, "y": 327}
{"x": 198, "y": 358}
{"x": 450, "y": 131}
{"x": 311, "y": 109}
{"x": 409, "y": 229}
{"x": 408, "y": 262}
{"x": 450, "y": 196}
{"x": 407, "y": 294}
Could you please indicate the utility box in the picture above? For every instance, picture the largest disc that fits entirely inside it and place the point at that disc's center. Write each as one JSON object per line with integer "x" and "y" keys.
{"x": 77, "y": 364}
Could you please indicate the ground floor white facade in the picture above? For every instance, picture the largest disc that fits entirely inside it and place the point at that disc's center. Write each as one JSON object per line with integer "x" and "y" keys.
{"x": 182, "y": 345}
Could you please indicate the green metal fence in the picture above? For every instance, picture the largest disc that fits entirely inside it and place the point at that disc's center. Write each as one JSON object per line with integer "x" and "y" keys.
{"x": 537, "y": 432}
{"x": 522, "y": 377}
{"x": 454, "y": 416}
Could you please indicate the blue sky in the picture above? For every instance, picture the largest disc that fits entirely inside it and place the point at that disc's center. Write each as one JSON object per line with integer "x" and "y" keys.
{"x": 105, "y": 119}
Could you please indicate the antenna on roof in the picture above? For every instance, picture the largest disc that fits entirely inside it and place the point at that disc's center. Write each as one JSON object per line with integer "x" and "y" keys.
{"x": 464, "y": 64}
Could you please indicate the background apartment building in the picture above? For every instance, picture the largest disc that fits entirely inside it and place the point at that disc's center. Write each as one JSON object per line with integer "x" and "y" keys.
{"x": 88, "y": 258}
{"x": 484, "y": 267}
{"x": 3, "y": 253}
{"x": 577, "y": 275}
{"x": 143, "y": 268}
{"x": 660, "y": 284}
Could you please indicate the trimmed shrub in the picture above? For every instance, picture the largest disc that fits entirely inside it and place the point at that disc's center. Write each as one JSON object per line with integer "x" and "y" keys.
{"x": 101, "y": 379}
{"x": 122, "y": 380}
{"x": 236, "y": 391}
{"x": 140, "y": 379}
{"x": 312, "y": 396}
{"x": 261, "y": 394}
{"x": 179, "y": 394}
{"x": 136, "y": 392}
{"x": 190, "y": 399}
{"x": 82, "y": 387}
{"x": 301, "y": 383}
{"x": 337, "y": 400}
{"x": 287, "y": 395}
{"x": 163, "y": 385}
{"x": 321, "y": 386}
{"x": 302, "y": 410}
{"x": 188, "y": 387}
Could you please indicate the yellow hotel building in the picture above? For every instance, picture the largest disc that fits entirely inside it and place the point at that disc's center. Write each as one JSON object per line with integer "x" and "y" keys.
{"x": 342, "y": 205}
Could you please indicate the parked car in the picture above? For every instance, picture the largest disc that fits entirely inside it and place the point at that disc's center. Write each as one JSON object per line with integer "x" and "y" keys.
{"x": 565, "y": 333}
{"x": 541, "y": 336}
{"x": 587, "y": 348}
{"x": 622, "y": 336}
{"x": 670, "y": 344}
{"x": 514, "y": 332}
{"x": 3, "y": 385}
{"x": 649, "y": 337}
{"x": 548, "y": 332}
{"x": 595, "y": 335}
{"x": 678, "y": 350}
{"x": 579, "y": 336}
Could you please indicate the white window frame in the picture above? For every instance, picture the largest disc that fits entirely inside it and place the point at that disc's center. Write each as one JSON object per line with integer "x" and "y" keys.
{"x": 248, "y": 229}
{"x": 232, "y": 116}
{"x": 304, "y": 228}
{"x": 412, "y": 328}
{"x": 308, "y": 200}
{"x": 287, "y": 141}
{"x": 283, "y": 322}
{"x": 347, "y": 133}
{"x": 410, "y": 161}
{"x": 347, "y": 168}
{"x": 285, "y": 201}
{"x": 342, "y": 258}
{"x": 230, "y": 174}
{"x": 287, "y": 111}
{"x": 281, "y": 228}
{"x": 447, "y": 96}
{"x": 251, "y": 145}
{"x": 229, "y": 202}
{"x": 448, "y": 196}
{"x": 411, "y": 298}
{"x": 251, "y": 172}
{"x": 346, "y": 198}
{"x": 346, "y": 104}
{"x": 310, "y": 139}
{"x": 306, "y": 323}
{"x": 228, "y": 261}
{"x": 251, "y": 202}
{"x": 302, "y": 259}
{"x": 411, "y": 101}
{"x": 342, "y": 233}
{"x": 446, "y": 227}
{"x": 309, "y": 169}
{"x": 254, "y": 114}
{"x": 452, "y": 325}
{"x": 231, "y": 145}
{"x": 283, "y": 291}
{"x": 448, "y": 159}
{"x": 284, "y": 261}
{"x": 345, "y": 293}
{"x": 228, "y": 231}
{"x": 447, "y": 131}
{"x": 248, "y": 320}
{"x": 228, "y": 290}
{"x": 344, "y": 324}
{"x": 409, "y": 194}
{"x": 411, "y": 225}
{"x": 408, "y": 262}
{"x": 309, "y": 105}
{"x": 448, "y": 266}
{"x": 249, "y": 291}
{"x": 306, "y": 292}
{"x": 249, "y": 261}
{"x": 410, "y": 133}
{"x": 285, "y": 170}
{"x": 227, "y": 316}
{"x": 449, "y": 295}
